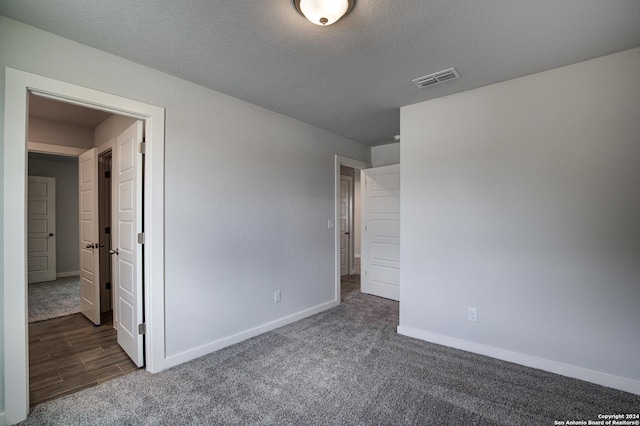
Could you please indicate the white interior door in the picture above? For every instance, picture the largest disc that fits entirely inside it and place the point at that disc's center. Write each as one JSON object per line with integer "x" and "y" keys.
{"x": 41, "y": 229}
{"x": 89, "y": 237}
{"x": 345, "y": 224}
{"x": 127, "y": 223}
{"x": 381, "y": 232}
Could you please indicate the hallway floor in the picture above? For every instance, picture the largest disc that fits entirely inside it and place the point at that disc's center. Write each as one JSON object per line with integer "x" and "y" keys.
{"x": 69, "y": 353}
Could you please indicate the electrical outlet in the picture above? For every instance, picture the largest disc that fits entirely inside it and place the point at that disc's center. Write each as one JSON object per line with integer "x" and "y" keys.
{"x": 473, "y": 315}
{"x": 277, "y": 296}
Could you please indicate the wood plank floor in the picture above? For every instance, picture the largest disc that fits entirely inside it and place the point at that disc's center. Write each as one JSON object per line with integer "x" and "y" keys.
{"x": 69, "y": 354}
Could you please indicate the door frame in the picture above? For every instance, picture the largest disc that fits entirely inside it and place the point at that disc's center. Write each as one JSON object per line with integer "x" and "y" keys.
{"x": 17, "y": 86}
{"x": 350, "y": 201}
{"x": 103, "y": 150}
{"x": 355, "y": 164}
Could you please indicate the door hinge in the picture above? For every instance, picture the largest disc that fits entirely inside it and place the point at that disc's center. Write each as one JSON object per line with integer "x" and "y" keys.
{"x": 142, "y": 328}
{"x": 142, "y": 147}
{"x": 141, "y": 238}
{"x": 107, "y": 174}
{"x": 107, "y": 230}
{"x": 107, "y": 286}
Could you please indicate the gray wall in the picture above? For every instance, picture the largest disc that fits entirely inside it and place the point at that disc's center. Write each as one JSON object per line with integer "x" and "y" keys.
{"x": 110, "y": 128}
{"x": 65, "y": 170}
{"x": 521, "y": 199}
{"x": 59, "y": 133}
{"x": 385, "y": 155}
{"x": 231, "y": 239}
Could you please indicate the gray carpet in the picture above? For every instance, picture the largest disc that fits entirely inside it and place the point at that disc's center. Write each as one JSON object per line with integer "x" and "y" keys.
{"x": 345, "y": 366}
{"x": 53, "y": 299}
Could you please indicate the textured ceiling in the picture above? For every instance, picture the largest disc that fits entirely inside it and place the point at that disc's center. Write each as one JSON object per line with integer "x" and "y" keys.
{"x": 349, "y": 78}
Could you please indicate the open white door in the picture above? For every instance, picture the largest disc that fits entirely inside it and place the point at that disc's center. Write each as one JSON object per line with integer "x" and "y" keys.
{"x": 89, "y": 253}
{"x": 381, "y": 232}
{"x": 127, "y": 229}
{"x": 41, "y": 229}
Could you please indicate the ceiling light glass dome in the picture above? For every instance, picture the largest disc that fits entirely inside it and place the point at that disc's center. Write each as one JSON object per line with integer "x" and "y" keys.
{"x": 323, "y": 12}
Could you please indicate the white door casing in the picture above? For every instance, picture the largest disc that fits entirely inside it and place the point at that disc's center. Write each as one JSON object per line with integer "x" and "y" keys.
{"x": 381, "y": 232}
{"x": 89, "y": 237}
{"x": 127, "y": 224}
{"x": 41, "y": 229}
{"x": 345, "y": 225}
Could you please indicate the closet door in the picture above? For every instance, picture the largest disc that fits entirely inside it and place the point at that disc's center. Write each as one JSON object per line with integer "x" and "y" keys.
{"x": 381, "y": 232}
{"x": 128, "y": 239}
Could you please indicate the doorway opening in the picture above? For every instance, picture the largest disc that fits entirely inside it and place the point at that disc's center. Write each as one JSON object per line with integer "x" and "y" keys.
{"x": 380, "y": 228}
{"x": 348, "y": 226}
{"x": 18, "y": 84}
{"x": 70, "y": 351}
{"x": 104, "y": 228}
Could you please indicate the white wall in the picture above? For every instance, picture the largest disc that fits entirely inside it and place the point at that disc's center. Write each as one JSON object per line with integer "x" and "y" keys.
{"x": 59, "y": 133}
{"x": 231, "y": 238}
{"x": 111, "y": 128}
{"x": 385, "y": 155}
{"x": 521, "y": 199}
{"x": 65, "y": 171}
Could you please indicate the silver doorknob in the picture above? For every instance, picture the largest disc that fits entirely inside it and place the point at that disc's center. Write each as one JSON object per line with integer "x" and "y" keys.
{"x": 90, "y": 246}
{"x": 115, "y": 251}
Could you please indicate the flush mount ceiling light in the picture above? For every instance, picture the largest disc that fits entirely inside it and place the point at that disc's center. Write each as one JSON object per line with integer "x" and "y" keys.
{"x": 323, "y": 12}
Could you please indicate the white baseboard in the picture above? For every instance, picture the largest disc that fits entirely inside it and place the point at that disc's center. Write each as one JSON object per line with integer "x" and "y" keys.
{"x": 173, "y": 360}
{"x": 2, "y": 418}
{"x": 597, "y": 377}
{"x": 67, "y": 274}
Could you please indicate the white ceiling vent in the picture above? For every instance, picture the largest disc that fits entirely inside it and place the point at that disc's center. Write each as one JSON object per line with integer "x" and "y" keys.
{"x": 437, "y": 78}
